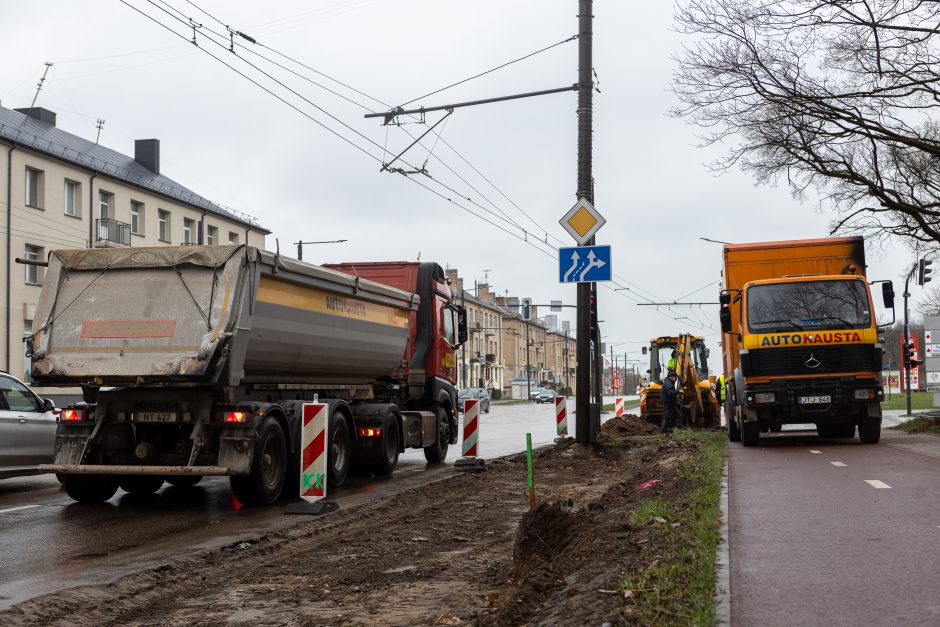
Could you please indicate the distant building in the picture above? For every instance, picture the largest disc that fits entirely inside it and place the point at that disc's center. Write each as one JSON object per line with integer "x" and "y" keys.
{"x": 59, "y": 190}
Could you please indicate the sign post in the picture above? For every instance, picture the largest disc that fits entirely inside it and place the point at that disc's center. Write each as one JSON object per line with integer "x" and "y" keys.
{"x": 314, "y": 435}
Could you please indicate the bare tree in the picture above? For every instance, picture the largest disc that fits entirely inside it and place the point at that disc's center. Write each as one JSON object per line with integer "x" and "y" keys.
{"x": 836, "y": 95}
{"x": 930, "y": 302}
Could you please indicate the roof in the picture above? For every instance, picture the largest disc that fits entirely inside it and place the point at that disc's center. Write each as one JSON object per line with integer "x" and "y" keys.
{"x": 48, "y": 139}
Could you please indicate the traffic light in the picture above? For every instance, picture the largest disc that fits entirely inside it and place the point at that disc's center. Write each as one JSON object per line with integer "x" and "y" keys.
{"x": 923, "y": 271}
{"x": 909, "y": 356}
{"x": 593, "y": 308}
{"x": 526, "y": 308}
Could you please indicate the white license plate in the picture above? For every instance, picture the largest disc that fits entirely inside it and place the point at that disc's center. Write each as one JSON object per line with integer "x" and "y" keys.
{"x": 814, "y": 400}
{"x": 155, "y": 416}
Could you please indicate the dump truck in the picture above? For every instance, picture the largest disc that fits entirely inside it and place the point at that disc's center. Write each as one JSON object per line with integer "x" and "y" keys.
{"x": 800, "y": 339}
{"x": 196, "y": 361}
{"x": 699, "y": 404}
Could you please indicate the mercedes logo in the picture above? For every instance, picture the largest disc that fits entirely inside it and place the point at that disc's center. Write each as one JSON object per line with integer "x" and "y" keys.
{"x": 812, "y": 362}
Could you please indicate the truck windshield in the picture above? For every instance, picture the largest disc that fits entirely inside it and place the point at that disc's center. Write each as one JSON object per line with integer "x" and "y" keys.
{"x": 807, "y": 305}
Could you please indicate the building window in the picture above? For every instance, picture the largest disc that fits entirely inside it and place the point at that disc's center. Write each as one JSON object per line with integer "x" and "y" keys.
{"x": 212, "y": 235}
{"x": 163, "y": 225}
{"x": 188, "y": 226}
{"x": 232, "y": 237}
{"x": 33, "y": 273}
{"x": 34, "y": 185}
{"x": 137, "y": 217}
{"x": 73, "y": 198}
{"x": 105, "y": 202}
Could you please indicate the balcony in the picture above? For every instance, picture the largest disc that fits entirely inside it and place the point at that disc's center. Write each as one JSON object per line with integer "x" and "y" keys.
{"x": 111, "y": 233}
{"x": 491, "y": 358}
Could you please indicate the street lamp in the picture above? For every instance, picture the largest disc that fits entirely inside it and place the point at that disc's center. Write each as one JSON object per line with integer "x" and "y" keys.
{"x": 300, "y": 246}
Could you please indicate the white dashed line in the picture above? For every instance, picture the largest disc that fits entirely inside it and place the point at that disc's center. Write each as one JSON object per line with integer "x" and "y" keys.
{"x": 837, "y": 463}
{"x": 816, "y": 452}
{"x": 16, "y": 509}
{"x": 881, "y": 485}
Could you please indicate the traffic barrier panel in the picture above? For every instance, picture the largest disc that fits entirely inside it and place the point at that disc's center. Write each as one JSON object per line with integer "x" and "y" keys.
{"x": 471, "y": 424}
{"x": 618, "y": 406}
{"x": 313, "y": 441}
{"x": 561, "y": 416}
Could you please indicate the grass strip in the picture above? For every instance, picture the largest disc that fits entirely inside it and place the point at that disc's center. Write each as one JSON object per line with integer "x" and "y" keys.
{"x": 919, "y": 400}
{"x": 921, "y": 424}
{"x": 677, "y": 586}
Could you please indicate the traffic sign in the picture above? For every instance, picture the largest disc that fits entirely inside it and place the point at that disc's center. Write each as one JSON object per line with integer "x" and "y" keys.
{"x": 584, "y": 264}
{"x": 582, "y": 221}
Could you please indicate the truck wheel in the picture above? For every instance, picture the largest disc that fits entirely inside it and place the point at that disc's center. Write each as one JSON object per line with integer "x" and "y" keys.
{"x": 140, "y": 485}
{"x": 268, "y": 468}
{"x": 437, "y": 452}
{"x": 339, "y": 451}
{"x": 734, "y": 433}
{"x": 183, "y": 481}
{"x": 90, "y": 488}
{"x": 390, "y": 448}
{"x": 750, "y": 434}
{"x": 869, "y": 430}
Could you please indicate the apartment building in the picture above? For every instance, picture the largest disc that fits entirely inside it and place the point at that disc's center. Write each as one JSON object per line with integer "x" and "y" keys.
{"x": 60, "y": 190}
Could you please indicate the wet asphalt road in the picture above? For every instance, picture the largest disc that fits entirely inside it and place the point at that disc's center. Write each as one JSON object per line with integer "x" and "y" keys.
{"x": 833, "y": 532}
{"x": 48, "y": 542}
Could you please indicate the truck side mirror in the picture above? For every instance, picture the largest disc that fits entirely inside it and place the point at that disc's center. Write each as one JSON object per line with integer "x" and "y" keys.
{"x": 887, "y": 293}
{"x": 645, "y": 351}
{"x": 725, "y": 316}
{"x": 461, "y": 324}
{"x": 724, "y": 298}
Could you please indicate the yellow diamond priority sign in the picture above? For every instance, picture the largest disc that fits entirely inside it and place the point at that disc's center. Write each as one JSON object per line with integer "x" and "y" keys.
{"x": 582, "y": 221}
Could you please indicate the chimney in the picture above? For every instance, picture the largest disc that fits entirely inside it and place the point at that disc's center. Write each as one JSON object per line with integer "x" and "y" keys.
{"x": 483, "y": 293}
{"x": 147, "y": 154}
{"x": 38, "y": 113}
{"x": 456, "y": 283}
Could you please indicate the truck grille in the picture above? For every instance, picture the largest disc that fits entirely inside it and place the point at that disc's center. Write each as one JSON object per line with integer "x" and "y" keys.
{"x": 811, "y": 360}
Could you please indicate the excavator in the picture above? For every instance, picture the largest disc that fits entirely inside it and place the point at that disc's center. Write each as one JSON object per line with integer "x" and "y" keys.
{"x": 698, "y": 402}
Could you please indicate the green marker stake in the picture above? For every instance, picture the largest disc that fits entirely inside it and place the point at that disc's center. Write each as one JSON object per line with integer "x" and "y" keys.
{"x": 528, "y": 457}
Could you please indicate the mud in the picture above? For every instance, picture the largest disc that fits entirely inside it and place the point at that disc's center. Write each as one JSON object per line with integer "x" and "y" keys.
{"x": 628, "y": 424}
{"x": 466, "y": 550}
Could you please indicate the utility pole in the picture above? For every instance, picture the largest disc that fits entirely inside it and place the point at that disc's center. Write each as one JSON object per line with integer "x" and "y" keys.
{"x": 907, "y": 339}
{"x": 583, "y": 409}
{"x": 528, "y": 374}
{"x": 300, "y": 246}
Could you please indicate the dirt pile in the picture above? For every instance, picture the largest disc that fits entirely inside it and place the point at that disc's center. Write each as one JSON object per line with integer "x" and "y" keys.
{"x": 627, "y": 425}
{"x": 465, "y": 550}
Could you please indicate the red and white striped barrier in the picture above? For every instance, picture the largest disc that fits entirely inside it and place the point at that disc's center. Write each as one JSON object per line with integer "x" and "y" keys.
{"x": 618, "y": 406}
{"x": 561, "y": 416}
{"x": 313, "y": 440}
{"x": 471, "y": 424}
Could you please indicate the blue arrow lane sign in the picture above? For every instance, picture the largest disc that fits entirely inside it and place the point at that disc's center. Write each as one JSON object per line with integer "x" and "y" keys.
{"x": 584, "y": 264}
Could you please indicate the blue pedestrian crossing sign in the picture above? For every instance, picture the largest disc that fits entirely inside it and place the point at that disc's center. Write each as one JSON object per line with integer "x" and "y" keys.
{"x": 584, "y": 264}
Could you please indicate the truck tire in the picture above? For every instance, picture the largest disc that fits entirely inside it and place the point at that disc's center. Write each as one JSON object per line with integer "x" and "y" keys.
{"x": 339, "y": 451}
{"x": 734, "y": 433}
{"x": 183, "y": 481}
{"x": 391, "y": 447}
{"x": 750, "y": 434}
{"x": 264, "y": 484}
{"x": 90, "y": 488}
{"x": 140, "y": 485}
{"x": 437, "y": 452}
{"x": 869, "y": 430}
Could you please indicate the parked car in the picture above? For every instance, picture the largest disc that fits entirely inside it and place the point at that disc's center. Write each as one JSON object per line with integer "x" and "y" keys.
{"x": 545, "y": 396}
{"x": 534, "y": 393}
{"x": 27, "y": 428}
{"x": 481, "y": 394}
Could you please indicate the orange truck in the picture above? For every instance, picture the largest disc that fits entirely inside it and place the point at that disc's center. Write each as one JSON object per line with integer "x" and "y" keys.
{"x": 800, "y": 339}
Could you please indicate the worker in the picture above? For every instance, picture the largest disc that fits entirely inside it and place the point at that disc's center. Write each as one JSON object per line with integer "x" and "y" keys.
{"x": 671, "y": 364}
{"x": 720, "y": 393}
{"x": 672, "y": 417}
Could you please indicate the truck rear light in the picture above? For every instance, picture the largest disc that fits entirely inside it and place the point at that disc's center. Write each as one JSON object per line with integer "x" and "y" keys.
{"x": 764, "y": 397}
{"x": 864, "y": 395}
{"x": 369, "y": 432}
{"x": 73, "y": 415}
{"x": 234, "y": 416}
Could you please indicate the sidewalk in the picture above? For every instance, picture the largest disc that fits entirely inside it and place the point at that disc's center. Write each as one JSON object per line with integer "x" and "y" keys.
{"x": 920, "y": 443}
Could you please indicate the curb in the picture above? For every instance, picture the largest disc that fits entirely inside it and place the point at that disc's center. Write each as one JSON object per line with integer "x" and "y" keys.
{"x": 722, "y": 559}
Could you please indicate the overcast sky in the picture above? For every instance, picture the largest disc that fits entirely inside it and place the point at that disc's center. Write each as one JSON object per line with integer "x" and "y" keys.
{"x": 228, "y": 140}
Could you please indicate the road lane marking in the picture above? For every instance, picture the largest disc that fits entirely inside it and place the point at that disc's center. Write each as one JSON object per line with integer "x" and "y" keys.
{"x": 816, "y": 452}
{"x": 837, "y": 463}
{"x": 877, "y": 484}
{"x": 16, "y": 509}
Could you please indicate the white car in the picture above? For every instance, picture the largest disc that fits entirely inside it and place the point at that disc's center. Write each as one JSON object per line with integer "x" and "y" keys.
{"x": 27, "y": 429}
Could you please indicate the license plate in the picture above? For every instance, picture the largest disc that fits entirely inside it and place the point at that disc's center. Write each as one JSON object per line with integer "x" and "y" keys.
{"x": 814, "y": 400}
{"x": 155, "y": 416}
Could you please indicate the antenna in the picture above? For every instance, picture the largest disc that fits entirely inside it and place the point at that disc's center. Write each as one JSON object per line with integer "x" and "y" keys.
{"x": 39, "y": 84}
{"x": 99, "y": 124}
{"x": 486, "y": 276}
